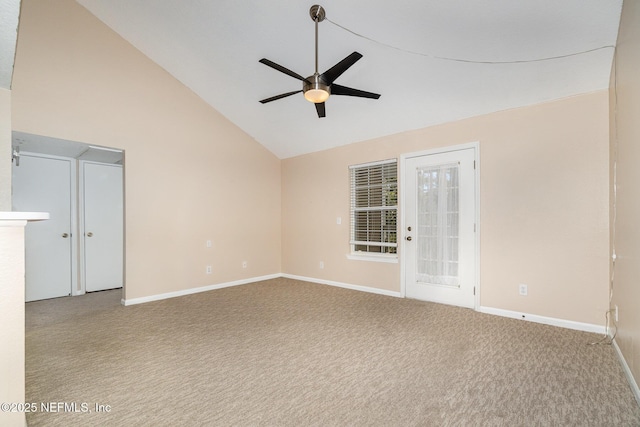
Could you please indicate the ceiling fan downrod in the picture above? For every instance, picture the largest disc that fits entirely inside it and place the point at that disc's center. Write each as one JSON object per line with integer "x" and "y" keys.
{"x": 315, "y": 89}
{"x": 317, "y": 14}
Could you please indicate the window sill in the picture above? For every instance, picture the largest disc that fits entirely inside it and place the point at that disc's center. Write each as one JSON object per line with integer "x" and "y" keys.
{"x": 393, "y": 259}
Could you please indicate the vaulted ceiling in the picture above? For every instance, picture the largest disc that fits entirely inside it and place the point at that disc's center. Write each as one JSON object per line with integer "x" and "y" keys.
{"x": 9, "y": 12}
{"x": 433, "y": 61}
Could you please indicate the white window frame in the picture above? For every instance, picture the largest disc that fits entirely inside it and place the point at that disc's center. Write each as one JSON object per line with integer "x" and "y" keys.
{"x": 365, "y": 255}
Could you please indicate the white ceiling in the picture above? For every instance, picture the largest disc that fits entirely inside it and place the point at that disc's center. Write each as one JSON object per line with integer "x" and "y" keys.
{"x": 9, "y": 12}
{"x": 213, "y": 47}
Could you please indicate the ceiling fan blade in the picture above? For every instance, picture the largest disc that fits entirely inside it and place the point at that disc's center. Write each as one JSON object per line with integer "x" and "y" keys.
{"x": 336, "y": 71}
{"x": 343, "y": 90}
{"x": 320, "y": 109}
{"x": 282, "y": 95}
{"x": 280, "y": 68}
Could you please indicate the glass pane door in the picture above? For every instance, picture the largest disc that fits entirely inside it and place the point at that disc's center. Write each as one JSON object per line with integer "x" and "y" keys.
{"x": 438, "y": 225}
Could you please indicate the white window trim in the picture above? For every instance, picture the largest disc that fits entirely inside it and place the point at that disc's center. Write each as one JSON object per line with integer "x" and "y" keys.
{"x": 372, "y": 256}
{"x": 369, "y": 256}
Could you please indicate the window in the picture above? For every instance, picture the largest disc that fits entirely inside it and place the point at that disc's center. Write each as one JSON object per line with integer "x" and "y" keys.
{"x": 374, "y": 208}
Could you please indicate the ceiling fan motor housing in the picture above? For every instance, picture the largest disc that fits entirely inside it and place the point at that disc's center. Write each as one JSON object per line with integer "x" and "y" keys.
{"x": 315, "y": 89}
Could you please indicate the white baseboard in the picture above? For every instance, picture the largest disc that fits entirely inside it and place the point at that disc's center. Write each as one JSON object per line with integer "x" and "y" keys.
{"x": 627, "y": 371}
{"x": 489, "y": 310}
{"x": 133, "y": 301}
{"x": 158, "y": 297}
{"x": 569, "y": 324}
{"x": 345, "y": 285}
{"x": 587, "y": 327}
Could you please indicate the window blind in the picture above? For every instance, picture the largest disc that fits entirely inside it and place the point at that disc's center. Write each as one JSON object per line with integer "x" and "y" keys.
{"x": 374, "y": 207}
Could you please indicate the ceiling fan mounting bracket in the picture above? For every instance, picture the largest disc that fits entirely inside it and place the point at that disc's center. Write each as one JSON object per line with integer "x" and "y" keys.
{"x": 317, "y": 13}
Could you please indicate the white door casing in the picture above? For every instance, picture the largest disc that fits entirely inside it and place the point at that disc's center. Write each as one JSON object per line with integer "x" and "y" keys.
{"x": 439, "y": 226}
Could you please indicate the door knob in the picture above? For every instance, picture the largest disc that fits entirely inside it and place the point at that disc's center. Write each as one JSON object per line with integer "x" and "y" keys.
{"x": 89, "y": 234}
{"x": 65, "y": 235}
{"x": 409, "y": 238}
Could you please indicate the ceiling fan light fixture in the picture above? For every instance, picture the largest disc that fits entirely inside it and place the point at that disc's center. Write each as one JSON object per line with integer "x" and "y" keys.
{"x": 315, "y": 89}
{"x": 316, "y": 95}
{"x": 318, "y": 87}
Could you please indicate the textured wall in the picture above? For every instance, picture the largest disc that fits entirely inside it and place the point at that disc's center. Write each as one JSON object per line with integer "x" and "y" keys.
{"x": 12, "y": 315}
{"x": 543, "y": 207}
{"x": 625, "y": 110}
{"x": 5, "y": 150}
{"x": 190, "y": 174}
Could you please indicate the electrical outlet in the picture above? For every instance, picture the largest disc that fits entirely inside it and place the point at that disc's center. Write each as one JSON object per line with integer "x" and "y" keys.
{"x": 338, "y": 220}
{"x": 321, "y": 264}
{"x": 244, "y": 264}
{"x": 209, "y": 269}
{"x": 616, "y": 313}
{"x": 208, "y": 243}
{"x": 522, "y": 288}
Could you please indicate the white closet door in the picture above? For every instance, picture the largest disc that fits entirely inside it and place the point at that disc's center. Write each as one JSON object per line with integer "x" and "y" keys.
{"x": 42, "y": 184}
{"x": 103, "y": 231}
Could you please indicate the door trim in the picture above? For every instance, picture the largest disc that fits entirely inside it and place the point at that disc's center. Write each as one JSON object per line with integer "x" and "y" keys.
{"x": 403, "y": 196}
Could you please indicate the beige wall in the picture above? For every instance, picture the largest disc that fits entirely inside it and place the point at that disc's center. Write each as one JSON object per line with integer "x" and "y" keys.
{"x": 544, "y": 207}
{"x": 625, "y": 111}
{"x": 190, "y": 174}
{"x": 5, "y": 150}
{"x": 12, "y": 365}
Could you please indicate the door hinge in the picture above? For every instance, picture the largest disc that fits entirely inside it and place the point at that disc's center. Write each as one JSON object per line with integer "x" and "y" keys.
{"x": 474, "y": 227}
{"x": 474, "y": 291}
{"x": 474, "y": 164}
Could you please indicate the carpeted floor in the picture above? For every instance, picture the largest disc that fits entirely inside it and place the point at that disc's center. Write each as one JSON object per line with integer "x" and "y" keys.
{"x": 290, "y": 353}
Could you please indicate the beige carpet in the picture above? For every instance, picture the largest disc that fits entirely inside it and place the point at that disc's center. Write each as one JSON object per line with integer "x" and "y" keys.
{"x": 289, "y": 353}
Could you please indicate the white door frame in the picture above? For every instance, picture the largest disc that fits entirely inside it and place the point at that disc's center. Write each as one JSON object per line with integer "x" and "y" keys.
{"x": 74, "y": 216}
{"x": 403, "y": 197}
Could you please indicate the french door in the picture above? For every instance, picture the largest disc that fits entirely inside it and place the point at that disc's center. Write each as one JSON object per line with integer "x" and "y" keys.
{"x": 439, "y": 233}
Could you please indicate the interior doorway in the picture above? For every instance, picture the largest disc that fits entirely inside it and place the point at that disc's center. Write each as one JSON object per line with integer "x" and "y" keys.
{"x": 81, "y": 249}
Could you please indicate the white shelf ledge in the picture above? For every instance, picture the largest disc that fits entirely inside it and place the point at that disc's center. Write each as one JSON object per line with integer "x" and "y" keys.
{"x": 23, "y": 216}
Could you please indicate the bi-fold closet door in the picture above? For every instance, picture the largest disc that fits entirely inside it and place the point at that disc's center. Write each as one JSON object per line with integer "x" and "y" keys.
{"x": 80, "y": 249}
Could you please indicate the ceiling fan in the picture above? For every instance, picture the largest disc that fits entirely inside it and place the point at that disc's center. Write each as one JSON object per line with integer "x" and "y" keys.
{"x": 318, "y": 87}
